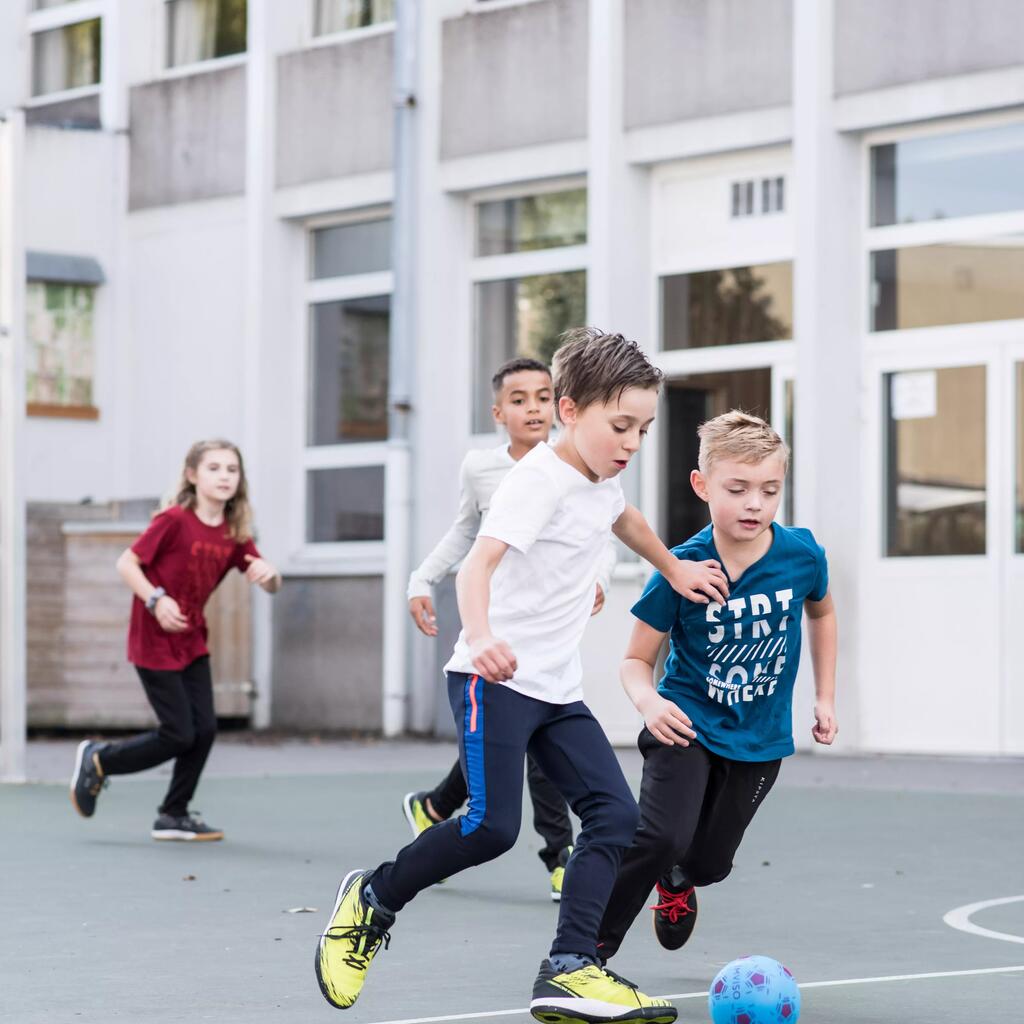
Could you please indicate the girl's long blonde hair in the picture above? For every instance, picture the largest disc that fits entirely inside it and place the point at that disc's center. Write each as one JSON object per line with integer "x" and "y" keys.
{"x": 237, "y": 512}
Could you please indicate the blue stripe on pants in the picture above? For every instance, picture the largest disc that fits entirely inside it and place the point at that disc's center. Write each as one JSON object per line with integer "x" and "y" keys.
{"x": 473, "y": 742}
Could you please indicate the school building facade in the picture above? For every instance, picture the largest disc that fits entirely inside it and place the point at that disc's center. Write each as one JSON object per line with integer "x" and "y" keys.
{"x": 813, "y": 209}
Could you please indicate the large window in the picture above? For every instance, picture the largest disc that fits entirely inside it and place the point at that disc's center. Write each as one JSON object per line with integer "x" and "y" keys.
{"x": 66, "y": 58}
{"x": 935, "y": 478}
{"x": 948, "y": 283}
{"x": 956, "y": 175}
{"x": 345, "y": 15}
{"x": 530, "y": 285}
{"x": 346, "y": 371}
{"x": 727, "y": 307}
{"x": 59, "y": 351}
{"x": 199, "y": 30}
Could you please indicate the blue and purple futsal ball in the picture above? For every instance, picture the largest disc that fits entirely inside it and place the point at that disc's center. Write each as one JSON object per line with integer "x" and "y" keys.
{"x": 754, "y": 990}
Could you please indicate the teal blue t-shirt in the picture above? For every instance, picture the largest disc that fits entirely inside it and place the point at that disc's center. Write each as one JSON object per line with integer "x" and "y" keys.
{"x": 732, "y": 667}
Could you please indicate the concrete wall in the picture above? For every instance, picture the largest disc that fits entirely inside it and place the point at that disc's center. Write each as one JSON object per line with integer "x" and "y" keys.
{"x": 182, "y": 298}
{"x": 514, "y": 77}
{"x": 187, "y": 138}
{"x": 879, "y": 43}
{"x": 14, "y": 48}
{"x": 699, "y": 58}
{"x": 339, "y": 96}
{"x": 327, "y": 653}
{"x": 71, "y": 207}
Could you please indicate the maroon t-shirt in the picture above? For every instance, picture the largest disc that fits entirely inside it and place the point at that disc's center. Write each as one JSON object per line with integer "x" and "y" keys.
{"x": 188, "y": 559}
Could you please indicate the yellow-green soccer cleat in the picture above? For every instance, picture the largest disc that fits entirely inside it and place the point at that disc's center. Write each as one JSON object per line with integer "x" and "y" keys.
{"x": 594, "y": 995}
{"x": 415, "y": 809}
{"x": 558, "y": 875}
{"x": 347, "y": 947}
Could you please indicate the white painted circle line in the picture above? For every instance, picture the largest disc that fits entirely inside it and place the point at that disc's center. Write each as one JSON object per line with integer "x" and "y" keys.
{"x": 702, "y": 994}
{"x": 960, "y": 918}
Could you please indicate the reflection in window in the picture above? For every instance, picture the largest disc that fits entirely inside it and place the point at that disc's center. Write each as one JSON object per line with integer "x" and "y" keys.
{"x": 935, "y": 462}
{"x": 959, "y": 175}
{"x": 1018, "y": 518}
{"x": 345, "y": 504}
{"x": 59, "y": 349}
{"x": 348, "y": 383}
{"x": 66, "y": 58}
{"x": 344, "y": 15}
{"x": 359, "y": 248}
{"x": 727, "y": 307}
{"x": 200, "y": 30}
{"x": 544, "y": 221}
{"x": 522, "y": 317}
{"x": 954, "y": 283}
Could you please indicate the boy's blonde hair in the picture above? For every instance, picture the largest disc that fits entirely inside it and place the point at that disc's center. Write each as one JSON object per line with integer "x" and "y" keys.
{"x": 738, "y": 435}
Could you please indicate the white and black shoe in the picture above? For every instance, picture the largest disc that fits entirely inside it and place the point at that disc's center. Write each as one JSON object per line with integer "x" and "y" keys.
{"x": 188, "y": 828}
{"x": 87, "y": 779}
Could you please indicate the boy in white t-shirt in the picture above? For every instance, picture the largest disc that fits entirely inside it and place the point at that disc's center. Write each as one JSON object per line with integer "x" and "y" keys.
{"x": 524, "y": 404}
{"x": 526, "y": 591}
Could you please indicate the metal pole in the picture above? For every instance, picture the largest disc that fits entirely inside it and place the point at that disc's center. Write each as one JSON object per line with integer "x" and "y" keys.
{"x": 401, "y": 369}
{"x": 12, "y": 416}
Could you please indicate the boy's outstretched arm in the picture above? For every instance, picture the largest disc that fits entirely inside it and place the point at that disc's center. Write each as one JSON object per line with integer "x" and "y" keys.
{"x": 492, "y": 658}
{"x": 821, "y": 632}
{"x": 696, "y": 581}
{"x": 664, "y": 718}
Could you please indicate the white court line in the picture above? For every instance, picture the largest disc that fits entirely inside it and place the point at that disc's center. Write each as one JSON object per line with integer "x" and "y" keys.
{"x": 960, "y": 918}
{"x": 703, "y": 992}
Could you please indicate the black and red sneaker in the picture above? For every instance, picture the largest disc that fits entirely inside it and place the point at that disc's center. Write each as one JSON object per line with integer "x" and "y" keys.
{"x": 675, "y": 913}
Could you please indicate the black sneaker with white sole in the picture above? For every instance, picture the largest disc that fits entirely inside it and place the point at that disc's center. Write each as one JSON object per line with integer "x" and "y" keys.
{"x": 87, "y": 779}
{"x": 188, "y": 828}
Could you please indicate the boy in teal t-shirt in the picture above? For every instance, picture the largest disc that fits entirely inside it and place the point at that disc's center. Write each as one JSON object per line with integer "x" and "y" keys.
{"x": 720, "y": 721}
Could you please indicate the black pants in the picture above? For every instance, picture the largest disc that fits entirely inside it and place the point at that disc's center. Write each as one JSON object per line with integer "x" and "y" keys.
{"x": 550, "y": 811}
{"x": 497, "y": 727}
{"x": 183, "y": 702}
{"x": 694, "y": 808}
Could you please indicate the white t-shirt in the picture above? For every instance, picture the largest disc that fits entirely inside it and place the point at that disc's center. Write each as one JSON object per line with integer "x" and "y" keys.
{"x": 557, "y": 524}
{"x": 482, "y": 470}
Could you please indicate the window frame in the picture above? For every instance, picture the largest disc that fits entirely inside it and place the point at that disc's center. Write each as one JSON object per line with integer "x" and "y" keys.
{"x": 335, "y": 558}
{"x": 195, "y": 67}
{"x": 509, "y": 266}
{"x": 71, "y": 13}
{"x": 346, "y": 35}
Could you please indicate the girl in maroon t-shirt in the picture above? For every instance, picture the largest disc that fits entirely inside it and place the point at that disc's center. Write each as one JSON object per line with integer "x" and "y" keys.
{"x": 172, "y": 569}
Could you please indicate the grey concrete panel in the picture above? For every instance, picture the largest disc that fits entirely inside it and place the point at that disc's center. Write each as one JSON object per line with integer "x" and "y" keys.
{"x": 334, "y": 110}
{"x": 879, "y": 43}
{"x": 514, "y": 77}
{"x": 83, "y": 112}
{"x": 187, "y": 139}
{"x": 328, "y": 643}
{"x": 701, "y": 58}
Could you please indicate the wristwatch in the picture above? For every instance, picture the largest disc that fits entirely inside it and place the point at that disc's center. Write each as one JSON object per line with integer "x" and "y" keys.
{"x": 153, "y": 598}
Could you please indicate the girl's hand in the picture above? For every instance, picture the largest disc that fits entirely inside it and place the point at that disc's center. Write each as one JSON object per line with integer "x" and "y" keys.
{"x": 168, "y": 615}
{"x": 825, "y": 728}
{"x": 700, "y": 581}
{"x": 667, "y": 721}
{"x": 493, "y": 659}
{"x": 598, "y": 600}
{"x": 259, "y": 571}
{"x": 422, "y": 611}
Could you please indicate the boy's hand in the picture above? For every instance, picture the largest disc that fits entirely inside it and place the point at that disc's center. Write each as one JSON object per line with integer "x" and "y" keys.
{"x": 598, "y": 601}
{"x": 259, "y": 571}
{"x": 493, "y": 659}
{"x": 422, "y": 611}
{"x": 666, "y": 721}
{"x": 169, "y": 616}
{"x": 826, "y": 728}
{"x": 700, "y": 581}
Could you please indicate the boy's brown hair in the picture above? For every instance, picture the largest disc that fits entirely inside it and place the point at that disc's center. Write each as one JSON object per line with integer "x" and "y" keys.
{"x": 741, "y": 436}
{"x": 591, "y": 366}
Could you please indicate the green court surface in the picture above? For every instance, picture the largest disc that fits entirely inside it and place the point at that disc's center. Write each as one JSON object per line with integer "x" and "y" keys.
{"x": 846, "y": 876}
